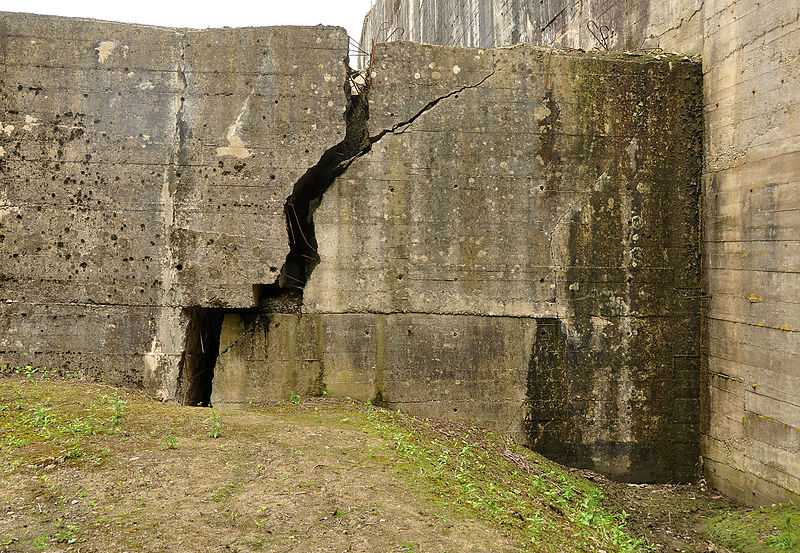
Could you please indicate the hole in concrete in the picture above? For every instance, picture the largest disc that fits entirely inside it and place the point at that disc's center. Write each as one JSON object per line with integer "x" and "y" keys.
{"x": 200, "y": 353}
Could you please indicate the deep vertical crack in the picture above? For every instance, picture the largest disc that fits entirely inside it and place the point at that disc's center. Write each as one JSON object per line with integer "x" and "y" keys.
{"x": 307, "y": 194}
{"x": 286, "y": 293}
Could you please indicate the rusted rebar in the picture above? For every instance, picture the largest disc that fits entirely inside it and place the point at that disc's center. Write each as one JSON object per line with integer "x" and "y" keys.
{"x": 601, "y": 33}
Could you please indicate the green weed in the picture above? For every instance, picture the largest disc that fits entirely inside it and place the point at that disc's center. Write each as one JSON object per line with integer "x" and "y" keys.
{"x": 214, "y": 425}
{"x": 8, "y": 542}
{"x": 170, "y": 442}
{"x": 67, "y": 534}
{"x": 40, "y": 543}
{"x": 74, "y": 452}
{"x": 788, "y": 538}
{"x": 40, "y": 417}
{"x": 117, "y": 408}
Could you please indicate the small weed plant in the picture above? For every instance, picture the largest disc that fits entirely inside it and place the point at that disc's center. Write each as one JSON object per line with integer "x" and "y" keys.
{"x": 788, "y": 538}
{"x": 41, "y": 543}
{"x": 214, "y": 425}
{"x": 40, "y": 418}
{"x": 170, "y": 441}
{"x": 117, "y": 408}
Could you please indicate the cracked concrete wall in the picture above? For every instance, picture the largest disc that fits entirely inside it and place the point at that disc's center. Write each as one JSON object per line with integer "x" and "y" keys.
{"x": 750, "y": 50}
{"x": 522, "y": 223}
{"x": 674, "y": 25}
{"x": 144, "y": 172}
{"x": 145, "y": 169}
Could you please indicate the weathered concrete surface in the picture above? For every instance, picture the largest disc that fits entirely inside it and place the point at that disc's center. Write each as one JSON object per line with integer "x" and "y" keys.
{"x": 675, "y": 25}
{"x": 144, "y": 172}
{"x": 750, "y": 55}
{"x": 443, "y": 366}
{"x": 544, "y": 237}
{"x": 751, "y": 418}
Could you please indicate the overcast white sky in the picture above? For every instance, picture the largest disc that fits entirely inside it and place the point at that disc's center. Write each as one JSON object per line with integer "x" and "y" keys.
{"x": 202, "y": 13}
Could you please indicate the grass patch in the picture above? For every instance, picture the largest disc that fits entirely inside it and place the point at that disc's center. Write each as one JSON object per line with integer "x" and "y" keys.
{"x": 91, "y": 467}
{"x": 762, "y": 530}
{"x": 489, "y": 477}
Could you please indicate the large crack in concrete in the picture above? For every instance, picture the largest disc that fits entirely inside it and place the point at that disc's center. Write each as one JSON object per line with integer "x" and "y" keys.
{"x": 286, "y": 293}
{"x": 307, "y": 194}
{"x": 402, "y": 126}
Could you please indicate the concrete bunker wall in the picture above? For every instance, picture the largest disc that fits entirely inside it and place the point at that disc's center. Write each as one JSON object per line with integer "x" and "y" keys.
{"x": 144, "y": 176}
{"x": 514, "y": 243}
{"x": 751, "y": 66}
{"x": 524, "y": 252}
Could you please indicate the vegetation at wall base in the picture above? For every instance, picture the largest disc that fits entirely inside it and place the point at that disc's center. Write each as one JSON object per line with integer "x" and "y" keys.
{"x": 88, "y": 467}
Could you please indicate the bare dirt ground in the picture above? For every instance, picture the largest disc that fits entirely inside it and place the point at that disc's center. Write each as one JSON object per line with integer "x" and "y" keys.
{"x": 87, "y": 467}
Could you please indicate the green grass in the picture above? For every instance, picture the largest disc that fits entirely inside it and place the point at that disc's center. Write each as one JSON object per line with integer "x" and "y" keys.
{"x": 491, "y": 478}
{"x": 70, "y": 451}
{"x": 762, "y": 530}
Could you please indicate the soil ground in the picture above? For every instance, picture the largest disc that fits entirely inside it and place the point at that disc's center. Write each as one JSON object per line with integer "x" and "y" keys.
{"x": 86, "y": 467}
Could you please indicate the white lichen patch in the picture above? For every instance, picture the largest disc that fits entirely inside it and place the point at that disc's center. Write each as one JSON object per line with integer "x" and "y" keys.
{"x": 236, "y": 147}
{"x": 632, "y": 150}
{"x": 6, "y": 129}
{"x": 456, "y": 70}
{"x": 104, "y": 49}
{"x": 2, "y": 152}
{"x": 541, "y": 113}
{"x": 30, "y": 123}
{"x": 145, "y": 85}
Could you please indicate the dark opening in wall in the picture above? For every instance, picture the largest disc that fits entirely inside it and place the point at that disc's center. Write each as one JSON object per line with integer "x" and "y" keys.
{"x": 308, "y": 190}
{"x": 201, "y": 347}
{"x": 553, "y": 388}
{"x": 199, "y": 356}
